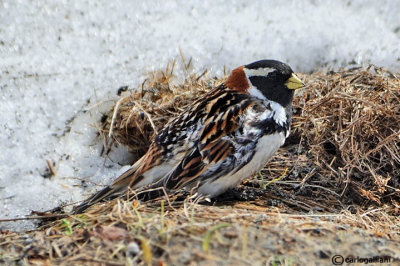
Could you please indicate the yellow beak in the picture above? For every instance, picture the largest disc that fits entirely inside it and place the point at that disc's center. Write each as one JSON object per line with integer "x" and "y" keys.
{"x": 294, "y": 82}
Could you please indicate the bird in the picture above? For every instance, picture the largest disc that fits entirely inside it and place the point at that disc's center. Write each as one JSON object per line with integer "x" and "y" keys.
{"x": 218, "y": 141}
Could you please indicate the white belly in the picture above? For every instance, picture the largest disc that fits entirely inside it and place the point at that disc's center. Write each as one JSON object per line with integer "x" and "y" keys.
{"x": 265, "y": 149}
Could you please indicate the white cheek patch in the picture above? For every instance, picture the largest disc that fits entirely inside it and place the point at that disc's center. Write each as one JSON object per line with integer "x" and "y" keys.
{"x": 259, "y": 71}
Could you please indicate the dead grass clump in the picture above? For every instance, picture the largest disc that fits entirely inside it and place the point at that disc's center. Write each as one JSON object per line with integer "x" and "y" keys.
{"x": 140, "y": 113}
{"x": 349, "y": 123}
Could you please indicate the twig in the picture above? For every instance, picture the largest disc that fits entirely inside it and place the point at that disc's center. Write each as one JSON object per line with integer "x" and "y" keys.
{"x": 115, "y": 112}
{"x": 51, "y": 168}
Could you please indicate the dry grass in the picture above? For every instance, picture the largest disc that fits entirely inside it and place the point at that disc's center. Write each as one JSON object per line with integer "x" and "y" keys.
{"x": 332, "y": 189}
{"x": 141, "y": 112}
{"x": 350, "y": 125}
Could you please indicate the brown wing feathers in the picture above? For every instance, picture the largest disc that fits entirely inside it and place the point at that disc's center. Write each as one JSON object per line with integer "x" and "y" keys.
{"x": 220, "y": 112}
{"x": 212, "y": 148}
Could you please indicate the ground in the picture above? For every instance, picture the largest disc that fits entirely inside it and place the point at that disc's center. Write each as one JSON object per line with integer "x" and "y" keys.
{"x": 237, "y": 232}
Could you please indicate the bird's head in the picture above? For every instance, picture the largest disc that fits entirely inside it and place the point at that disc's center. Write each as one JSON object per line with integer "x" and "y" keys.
{"x": 266, "y": 79}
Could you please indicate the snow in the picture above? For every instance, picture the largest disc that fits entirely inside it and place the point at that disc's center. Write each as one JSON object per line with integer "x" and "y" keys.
{"x": 63, "y": 61}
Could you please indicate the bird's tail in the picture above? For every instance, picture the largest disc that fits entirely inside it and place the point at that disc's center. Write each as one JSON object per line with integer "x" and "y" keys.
{"x": 115, "y": 189}
{"x": 148, "y": 193}
{"x": 107, "y": 192}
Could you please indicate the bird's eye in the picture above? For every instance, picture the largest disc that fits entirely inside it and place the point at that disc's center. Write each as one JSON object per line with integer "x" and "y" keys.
{"x": 272, "y": 75}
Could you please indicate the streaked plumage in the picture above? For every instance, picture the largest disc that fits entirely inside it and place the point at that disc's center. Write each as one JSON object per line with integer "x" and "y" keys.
{"x": 222, "y": 138}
